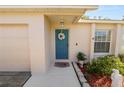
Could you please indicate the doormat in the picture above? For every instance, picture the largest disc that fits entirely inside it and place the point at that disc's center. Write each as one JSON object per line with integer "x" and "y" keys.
{"x": 62, "y": 64}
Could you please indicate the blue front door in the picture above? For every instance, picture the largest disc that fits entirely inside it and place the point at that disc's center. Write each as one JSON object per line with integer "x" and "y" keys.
{"x": 61, "y": 45}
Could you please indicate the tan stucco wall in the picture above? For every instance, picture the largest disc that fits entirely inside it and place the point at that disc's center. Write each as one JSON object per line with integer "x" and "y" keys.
{"x": 48, "y": 52}
{"x": 81, "y": 34}
{"x": 41, "y": 39}
{"x": 36, "y": 38}
{"x": 78, "y": 33}
{"x": 121, "y": 43}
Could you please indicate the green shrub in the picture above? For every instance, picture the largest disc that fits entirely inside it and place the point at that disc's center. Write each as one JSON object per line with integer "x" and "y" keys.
{"x": 121, "y": 56}
{"x": 81, "y": 56}
{"x": 104, "y": 65}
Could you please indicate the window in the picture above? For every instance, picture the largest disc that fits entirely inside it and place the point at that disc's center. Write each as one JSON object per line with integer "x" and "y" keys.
{"x": 102, "y": 41}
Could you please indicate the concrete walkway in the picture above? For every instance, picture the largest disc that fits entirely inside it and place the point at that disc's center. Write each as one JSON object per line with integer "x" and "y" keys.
{"x": 56, "y": 77}
{"x": 13, "y": 79}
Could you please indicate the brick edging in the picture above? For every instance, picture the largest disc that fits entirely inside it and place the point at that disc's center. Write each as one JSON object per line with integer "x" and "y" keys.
{"x": 80, "y": 76}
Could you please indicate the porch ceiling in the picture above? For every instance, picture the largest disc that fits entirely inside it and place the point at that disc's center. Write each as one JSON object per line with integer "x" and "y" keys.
{"x": 66, "y": 19}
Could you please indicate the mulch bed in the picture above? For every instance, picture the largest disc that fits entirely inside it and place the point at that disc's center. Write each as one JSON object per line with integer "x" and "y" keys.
{"x": 98, "y": 81}
{"x": 95, "y": 80}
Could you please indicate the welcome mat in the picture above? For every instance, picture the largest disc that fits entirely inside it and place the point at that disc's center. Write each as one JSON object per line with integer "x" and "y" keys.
{"x": 62, "y": 64}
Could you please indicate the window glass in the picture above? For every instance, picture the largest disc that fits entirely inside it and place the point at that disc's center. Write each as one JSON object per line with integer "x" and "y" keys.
{"x": 102, "y": 41}
{"x": 102, "y": 47}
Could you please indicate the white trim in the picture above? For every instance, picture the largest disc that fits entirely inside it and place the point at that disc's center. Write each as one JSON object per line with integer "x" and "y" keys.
{"x": 82, "y": 21}
{"x": 110, "y": 50}
{"x": 93, "y": 28}
{"x": 98, "y": 54}
{"x": 90, "y": 7}
{"x": 117, "y": 39}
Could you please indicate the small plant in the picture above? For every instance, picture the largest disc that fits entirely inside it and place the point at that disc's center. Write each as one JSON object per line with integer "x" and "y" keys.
{"x": 81, "y": 56}
{"x": 121, "y": 56}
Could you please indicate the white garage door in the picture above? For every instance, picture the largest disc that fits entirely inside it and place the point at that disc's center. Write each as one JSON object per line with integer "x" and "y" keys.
{"x": 14, "y": 48}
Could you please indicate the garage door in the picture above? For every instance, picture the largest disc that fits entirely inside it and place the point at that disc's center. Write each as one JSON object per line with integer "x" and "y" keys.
{"x": 14, "y": 48}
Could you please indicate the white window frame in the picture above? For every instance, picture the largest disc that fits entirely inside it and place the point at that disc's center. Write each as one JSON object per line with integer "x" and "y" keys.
{"x": 103, "y": 30}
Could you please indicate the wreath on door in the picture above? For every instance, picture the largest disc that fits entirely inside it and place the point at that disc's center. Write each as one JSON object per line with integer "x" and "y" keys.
{"x": 61, "y": 36}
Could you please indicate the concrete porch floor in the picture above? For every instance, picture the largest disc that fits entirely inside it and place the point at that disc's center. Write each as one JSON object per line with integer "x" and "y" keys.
{"x": 56, "y": 77}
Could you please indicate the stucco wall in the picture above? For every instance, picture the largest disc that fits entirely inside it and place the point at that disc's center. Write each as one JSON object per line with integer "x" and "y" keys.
{"x": 78, "y": 33}
{"x": 47, "y": 42}
{"x": 41, "y": 39}
{"x": 121, "y": 43}
{"x": 81, "y": 34}
{"x": 36, "y": 38}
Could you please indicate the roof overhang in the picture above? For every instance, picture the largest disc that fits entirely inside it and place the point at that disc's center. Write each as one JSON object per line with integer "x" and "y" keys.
{"x": 102, "y": 21}
{"x": 50, "y": 6}
{"x": 70, "y": 12}
{"x": 48, "y": 10}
